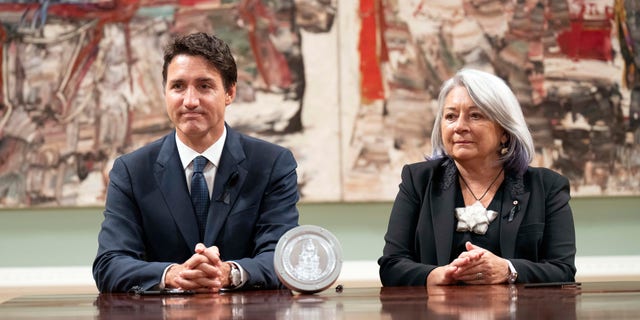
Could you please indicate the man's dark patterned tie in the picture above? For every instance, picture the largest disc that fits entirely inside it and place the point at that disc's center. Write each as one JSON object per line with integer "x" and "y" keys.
{"x": 200, "y": 193}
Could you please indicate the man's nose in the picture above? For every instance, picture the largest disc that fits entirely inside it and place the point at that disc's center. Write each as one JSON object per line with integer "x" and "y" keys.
{"x": 191, "y": 99}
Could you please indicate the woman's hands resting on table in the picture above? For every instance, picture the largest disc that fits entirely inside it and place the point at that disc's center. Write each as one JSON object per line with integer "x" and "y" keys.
{"x": 474, "y": 266}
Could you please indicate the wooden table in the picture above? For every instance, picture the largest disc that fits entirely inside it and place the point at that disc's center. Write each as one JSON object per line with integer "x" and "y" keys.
{"x": 596, "y": 300}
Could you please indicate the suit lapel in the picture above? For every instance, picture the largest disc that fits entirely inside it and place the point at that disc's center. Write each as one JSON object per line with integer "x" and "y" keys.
{"x": 517, "y": 202}
{"x": 443, "y": 211}
{"x": 229, "y": 179}
{"x": 171, "y": 179}
{"x": 443, "y": 218}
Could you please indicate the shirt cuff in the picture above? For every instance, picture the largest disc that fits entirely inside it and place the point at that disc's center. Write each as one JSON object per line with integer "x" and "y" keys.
{"x": 244, "y": 276}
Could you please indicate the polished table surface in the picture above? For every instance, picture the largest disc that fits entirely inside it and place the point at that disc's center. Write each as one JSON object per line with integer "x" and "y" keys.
{"x": 594, "y": 300}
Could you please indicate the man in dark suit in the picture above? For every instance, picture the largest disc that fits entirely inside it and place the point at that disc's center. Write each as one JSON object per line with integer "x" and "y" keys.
{"x": 174, "y": 221}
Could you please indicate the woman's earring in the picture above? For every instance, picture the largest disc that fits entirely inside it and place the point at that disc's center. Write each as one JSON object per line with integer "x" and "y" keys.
{"x": 504, "y": 150}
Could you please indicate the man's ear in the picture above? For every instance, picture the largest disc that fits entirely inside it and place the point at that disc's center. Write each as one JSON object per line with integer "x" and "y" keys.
{"x": 230, "y": 95}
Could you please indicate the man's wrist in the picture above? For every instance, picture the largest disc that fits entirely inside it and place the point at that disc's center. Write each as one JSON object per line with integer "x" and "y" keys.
{"x": 164, "y": 283}
{"x": 234, "y": 276}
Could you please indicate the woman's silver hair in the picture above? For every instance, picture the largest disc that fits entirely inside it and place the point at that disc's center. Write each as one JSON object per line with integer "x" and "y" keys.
{"x": 498, "y": 103}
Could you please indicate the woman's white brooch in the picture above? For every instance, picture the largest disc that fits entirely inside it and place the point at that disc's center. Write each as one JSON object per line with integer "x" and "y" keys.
{"x": 474, "y": 218}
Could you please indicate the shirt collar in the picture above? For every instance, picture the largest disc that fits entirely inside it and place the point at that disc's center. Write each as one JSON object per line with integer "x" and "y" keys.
{"x": 213, "y": 153}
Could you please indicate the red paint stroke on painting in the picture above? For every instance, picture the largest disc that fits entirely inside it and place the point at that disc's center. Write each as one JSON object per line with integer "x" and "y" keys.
{"x": 271, "y": 63}
{"x": 581, "y": 43}
{"x": 588, "y": 38}
{"x": 368, "y": 48}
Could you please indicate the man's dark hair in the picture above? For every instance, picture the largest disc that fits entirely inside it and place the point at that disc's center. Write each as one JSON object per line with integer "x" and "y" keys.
{"x": 210, "y": 47}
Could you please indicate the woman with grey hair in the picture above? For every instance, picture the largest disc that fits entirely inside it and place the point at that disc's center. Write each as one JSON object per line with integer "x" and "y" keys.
{"x": 476, "y": 212}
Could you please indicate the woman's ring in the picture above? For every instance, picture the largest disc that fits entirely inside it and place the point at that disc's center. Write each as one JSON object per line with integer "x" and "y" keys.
{"x": 479, "y": 276}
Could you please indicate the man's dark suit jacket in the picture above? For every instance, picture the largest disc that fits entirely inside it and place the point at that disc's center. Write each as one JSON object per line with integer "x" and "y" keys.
{"x": 150, "y": 222}
{"x": 539, "y": 241}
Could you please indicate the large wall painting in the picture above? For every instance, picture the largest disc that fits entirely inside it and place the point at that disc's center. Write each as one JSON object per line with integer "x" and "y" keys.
{"x": 81, "y": 85}
{"x": 348, "y": 86}
{"x": 572, "y": 64}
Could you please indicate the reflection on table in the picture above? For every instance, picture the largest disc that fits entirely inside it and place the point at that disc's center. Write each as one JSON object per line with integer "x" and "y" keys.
{"x": 480, "y": 302}
{"x": 610, "y": 300}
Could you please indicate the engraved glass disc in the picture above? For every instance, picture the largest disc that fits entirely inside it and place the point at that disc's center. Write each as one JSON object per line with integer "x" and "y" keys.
{"x": 308, "y": 259}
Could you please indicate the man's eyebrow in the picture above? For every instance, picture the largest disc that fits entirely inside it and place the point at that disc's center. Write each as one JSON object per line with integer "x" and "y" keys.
{"x": 202, "y": 79}
{"x": 206, "y": 79}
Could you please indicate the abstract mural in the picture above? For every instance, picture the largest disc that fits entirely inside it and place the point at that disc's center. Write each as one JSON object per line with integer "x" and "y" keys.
{"x": 348, "y": 86}
{"x": 572, "y": 64}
